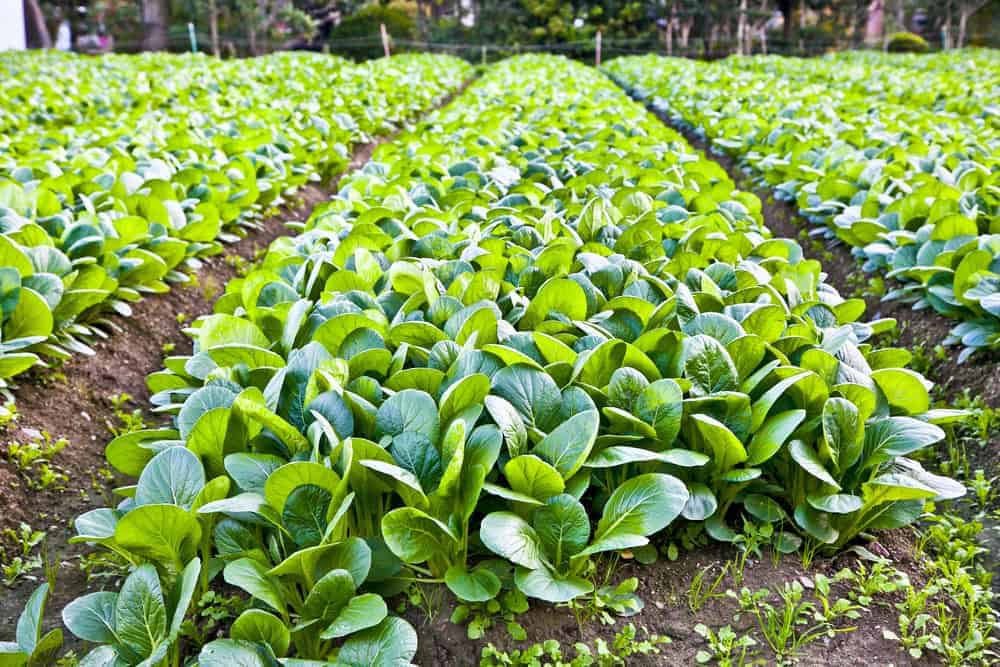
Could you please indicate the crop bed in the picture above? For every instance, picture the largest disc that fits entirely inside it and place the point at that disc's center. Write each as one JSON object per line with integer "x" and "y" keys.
{"x": 531, "y": 364}
{"x": 895, "y": 156}
{"x": 118, "y": 175}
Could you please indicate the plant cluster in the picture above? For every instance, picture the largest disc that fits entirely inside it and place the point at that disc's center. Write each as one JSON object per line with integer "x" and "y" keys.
{"x": 549, "y": 653}
{"x": 897, "y": 157}
{"x": 533, "y": 332}
{"x": 116, "y": 174}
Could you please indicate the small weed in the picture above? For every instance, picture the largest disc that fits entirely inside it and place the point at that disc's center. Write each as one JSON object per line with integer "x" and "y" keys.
{"x": 426, "y": 597}
{"x": 625, "y": 645}
{"x": 8, "y": 414}
{"x": 794, "y": 621}
{"x": 481, "y": 616}
{"x": 699, "y": 593}
{"x": 725, "y": 647}
{"x": 869, "y": 582}
{"x": 128, "y": 422}
{"x": 34, "y": 461}
{"x": 954, "y": 615}
{"x": 21, "y": 563}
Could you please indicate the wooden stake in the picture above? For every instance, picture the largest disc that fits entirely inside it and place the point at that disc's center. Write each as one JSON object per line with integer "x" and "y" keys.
{"x": 385, "y": 39}
{"x": 597, "y": 51}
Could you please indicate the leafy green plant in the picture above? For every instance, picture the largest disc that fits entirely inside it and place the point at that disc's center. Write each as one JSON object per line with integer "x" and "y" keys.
{"x": 699, "y": 593}
{"x": 23, "y": 562}
{"x": 726, "y": 648}
{"x": 33, "y": 647}
{"x": 502, "y": 370}
{"x": 34, "y": 460}
{"x": 481, "y": 616}
{"x": 906, "y": 198}
{"x": 550, "y": 652}
{"x": 103, "y": 203}
{"x": 795, "y": 621}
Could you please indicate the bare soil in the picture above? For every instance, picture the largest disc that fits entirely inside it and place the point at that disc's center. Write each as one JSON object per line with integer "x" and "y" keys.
{"x": 664, "y": 587}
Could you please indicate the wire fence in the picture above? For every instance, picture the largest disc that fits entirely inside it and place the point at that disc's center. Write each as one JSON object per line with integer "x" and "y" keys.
{"x": 363, "y": 48}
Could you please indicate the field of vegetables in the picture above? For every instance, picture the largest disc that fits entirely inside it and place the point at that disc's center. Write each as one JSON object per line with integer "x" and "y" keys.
{"x": 899, "y": 157}
{"x": 116, "y": 177}
{"x": 537, "y": 372}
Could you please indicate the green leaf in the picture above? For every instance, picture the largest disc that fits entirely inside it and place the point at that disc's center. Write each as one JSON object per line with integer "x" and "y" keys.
{"x": 140, "y": 612}
{"x": 904, "y": 389}
{"x": 558, "y": 295}
{"x": 726, "y": 448}
{"x": 533, "y": 394}
{"x": 391, "y": 643}
{"x": 180, "y": 598}
{"x": 478, "y": 585}
{"x": 284, "y": 480}
{"x": 328, "y": 596}
{"x": 164, "y": 534}
{"x": 305, "y": 512}
{"x": 510, "y": 424}
{"x": 562, "y": 527}
{"x": 416, "y": 453}
{"x": 511, "y": 537}
{"x": 542, "y": 584}
{"x": 709, "y": 367}
{"x": 773, "y": 433}
{"x": 835, "y": 503}
{"x": 889, "y": 437}
{"x": 816, "y": 524}
{"x": 701, "y": 502}
{"x": 234, "y": 653}
{"x": 414, "y": 536}
{"x": 638, "y": 508}
{"x": 842, "y": 432}
{"x": 661, "y": 406}
{"x": 257, "y": 625}
{"x": 764, "y": 508}
{"x": 807, "y": 458}
{"x": 360, "y": 613}
{"x": 92, "y": 617}
{"x": 568, "y": 446}
{"x": 173, "y": 477}
{"x": 251, "y": 576}
{"x": 533, "y": 477}
{"x": 470, "y": 390}
{"x": 29, "y": 623}
{"x": 408, "y": 410}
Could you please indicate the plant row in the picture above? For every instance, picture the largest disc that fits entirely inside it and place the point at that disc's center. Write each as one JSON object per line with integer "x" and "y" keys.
{"x": 873, "y": 148}
{"x": 118, "y": 173}
{"x": 536, "y": 330}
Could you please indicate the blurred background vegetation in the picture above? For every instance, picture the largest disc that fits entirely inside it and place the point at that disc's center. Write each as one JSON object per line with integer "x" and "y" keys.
{"x": 488, "y": 29}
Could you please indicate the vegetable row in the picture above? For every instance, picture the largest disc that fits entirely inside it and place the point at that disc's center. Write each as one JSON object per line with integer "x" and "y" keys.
{"x": 897, "y": 157}
{"x": 537, "y": 329}
{"x": 118, "y": 173}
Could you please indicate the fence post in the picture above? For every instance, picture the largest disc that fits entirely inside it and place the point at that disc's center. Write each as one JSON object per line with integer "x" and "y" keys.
{"x": 193, "y": 38}
{"x": 385, "y": 39}
{"x": 597, "y": 51}
{"x": 484, "y": 54}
